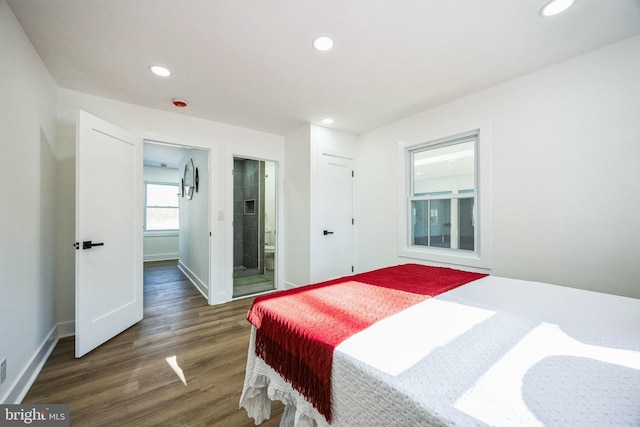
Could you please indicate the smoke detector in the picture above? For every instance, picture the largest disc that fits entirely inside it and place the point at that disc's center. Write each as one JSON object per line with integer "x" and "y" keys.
{"x": 179, "y": 102}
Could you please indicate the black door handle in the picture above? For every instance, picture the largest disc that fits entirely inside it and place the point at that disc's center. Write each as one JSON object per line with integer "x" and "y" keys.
{"x": 325, "y": 232}
{"x": 88, "y": 244}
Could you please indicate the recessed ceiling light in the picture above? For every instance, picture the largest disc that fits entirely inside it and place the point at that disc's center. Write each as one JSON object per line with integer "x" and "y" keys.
{"x": 555, "y": 7}
{"x": 327, "y": 121}
{"x": 159, "y": 70}
{"x": 322, "y": 43}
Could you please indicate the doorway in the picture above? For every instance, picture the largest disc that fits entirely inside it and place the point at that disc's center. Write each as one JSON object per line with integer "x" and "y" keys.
{"x": 186, "y": 240}
{"x": 254, "y": 226}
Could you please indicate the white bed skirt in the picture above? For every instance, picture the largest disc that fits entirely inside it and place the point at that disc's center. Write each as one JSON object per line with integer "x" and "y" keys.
{"x": 262, "y": 385}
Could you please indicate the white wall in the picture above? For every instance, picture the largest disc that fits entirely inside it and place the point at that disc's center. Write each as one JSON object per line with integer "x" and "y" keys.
{"x": 297, "y": 212}
{"x": 303, "y": 149}
{"x": 28, "y": 165}
{"x": 195, "y": 225}
{"x": 565, "y": 173}
{"x": 161, "y": 245}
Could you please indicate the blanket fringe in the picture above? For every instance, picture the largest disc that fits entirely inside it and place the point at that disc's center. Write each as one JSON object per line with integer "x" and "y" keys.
{"x": 283, "y": 358}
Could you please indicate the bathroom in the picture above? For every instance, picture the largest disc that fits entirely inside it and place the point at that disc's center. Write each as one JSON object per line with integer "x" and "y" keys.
{"x": 254, "y": 226}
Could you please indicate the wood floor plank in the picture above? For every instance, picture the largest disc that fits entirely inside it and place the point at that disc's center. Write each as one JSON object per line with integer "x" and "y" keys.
{"x": 128, "y": 381}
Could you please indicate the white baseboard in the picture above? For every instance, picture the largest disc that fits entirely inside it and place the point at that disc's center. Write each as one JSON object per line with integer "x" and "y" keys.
{"x": 199, "y": 284}
{"x": 66, "y": 329}
{"x": 289, "y": 285}
{"x": 161, "y": 257}
{"x": 18, "y": 390}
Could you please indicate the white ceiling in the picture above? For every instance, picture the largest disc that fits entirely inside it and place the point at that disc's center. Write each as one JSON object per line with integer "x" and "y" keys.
{"x": 250, "y": 62}
{"x": 163, "y": 155}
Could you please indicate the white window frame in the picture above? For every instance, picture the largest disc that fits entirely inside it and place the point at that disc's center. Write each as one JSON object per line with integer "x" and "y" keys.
{"x": 481, "y": 257}
{"x": 164, "y": 232}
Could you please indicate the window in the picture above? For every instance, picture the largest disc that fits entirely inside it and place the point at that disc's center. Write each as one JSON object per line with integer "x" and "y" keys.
{"x": 443, "y": 192}
{"x": 162, "y": 210}
{"x": 444, "y": 210}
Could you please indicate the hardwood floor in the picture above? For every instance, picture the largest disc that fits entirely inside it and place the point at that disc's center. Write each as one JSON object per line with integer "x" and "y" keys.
{"x": 128, "y": 381}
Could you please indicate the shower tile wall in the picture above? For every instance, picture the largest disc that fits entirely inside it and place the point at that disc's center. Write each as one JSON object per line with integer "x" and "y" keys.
{"x": 248, "y": 181}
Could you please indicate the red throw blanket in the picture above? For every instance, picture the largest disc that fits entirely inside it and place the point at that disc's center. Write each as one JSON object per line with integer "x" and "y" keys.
{"x": 298, "y": 329}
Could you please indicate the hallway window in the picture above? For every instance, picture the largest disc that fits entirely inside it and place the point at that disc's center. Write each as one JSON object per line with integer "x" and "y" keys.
{"x": 161, "y": 210}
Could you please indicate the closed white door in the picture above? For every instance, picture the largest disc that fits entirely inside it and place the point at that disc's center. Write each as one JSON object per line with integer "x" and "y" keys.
{"x": 334, "y": 234}
{"x": 108, "y": 231}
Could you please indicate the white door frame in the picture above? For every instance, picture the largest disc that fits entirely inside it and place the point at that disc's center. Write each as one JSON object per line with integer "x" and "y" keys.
{"x": 227, "y": 294}
{"x": 209, "y": 296}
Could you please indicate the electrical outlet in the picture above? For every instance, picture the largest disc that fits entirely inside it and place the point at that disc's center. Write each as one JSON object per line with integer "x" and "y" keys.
{"x": 3, "y": 370}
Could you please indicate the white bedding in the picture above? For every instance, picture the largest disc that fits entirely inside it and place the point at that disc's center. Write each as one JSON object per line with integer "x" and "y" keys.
{"x": 495, "y": 351}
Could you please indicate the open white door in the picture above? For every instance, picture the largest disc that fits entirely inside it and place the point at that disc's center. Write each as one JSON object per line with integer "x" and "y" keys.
{"x": 335, "y": 217}
{"x": 108, "y": 231}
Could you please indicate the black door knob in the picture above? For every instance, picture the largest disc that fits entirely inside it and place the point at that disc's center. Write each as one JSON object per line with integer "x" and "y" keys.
{"x": 88, "y": 244}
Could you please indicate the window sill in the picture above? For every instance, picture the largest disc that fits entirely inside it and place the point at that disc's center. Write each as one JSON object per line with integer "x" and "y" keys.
{"x": 161, "y": 233}
{"x": 445, "y": 256}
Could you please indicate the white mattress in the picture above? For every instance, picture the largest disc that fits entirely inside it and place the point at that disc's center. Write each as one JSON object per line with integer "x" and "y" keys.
{"x": 496, "y": 351}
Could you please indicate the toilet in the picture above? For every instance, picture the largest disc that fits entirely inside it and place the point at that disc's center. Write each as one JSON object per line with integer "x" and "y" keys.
{"x": 269, "y": 256}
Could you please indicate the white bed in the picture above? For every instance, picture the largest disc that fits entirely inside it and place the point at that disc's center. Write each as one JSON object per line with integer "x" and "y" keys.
{"x": 496, "y": 351}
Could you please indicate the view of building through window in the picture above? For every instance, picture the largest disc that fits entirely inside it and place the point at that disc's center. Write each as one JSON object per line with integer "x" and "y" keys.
{"x": 443, "y": 194}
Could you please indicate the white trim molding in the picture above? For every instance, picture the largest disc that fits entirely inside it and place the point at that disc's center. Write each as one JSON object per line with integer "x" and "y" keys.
{"x": 197, "y": 282}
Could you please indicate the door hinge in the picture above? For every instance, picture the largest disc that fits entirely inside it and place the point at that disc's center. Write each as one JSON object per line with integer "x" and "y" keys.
{"x": 353, "y": 174}
{"x": 352, "y": 270}
{"x": 353, "y": 221}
